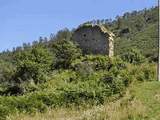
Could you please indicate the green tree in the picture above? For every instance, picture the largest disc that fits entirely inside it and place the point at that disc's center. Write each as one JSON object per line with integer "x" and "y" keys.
{"x": 65, "y": 52}
{"x": 33, "y": 64}
{"x": 63, "y": 34}
{"x": 6, "y": 71}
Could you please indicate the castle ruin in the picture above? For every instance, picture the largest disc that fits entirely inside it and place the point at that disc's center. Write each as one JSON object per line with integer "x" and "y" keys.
{"x": 94, "y": 39}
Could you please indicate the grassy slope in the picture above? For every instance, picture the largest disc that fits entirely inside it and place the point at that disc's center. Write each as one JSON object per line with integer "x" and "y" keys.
{"x": 149, "y": 94}
{"x": 141, "y": 102}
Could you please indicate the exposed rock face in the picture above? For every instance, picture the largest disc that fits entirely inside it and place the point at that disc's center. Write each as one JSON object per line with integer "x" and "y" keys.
{"x": 94, "y": 40}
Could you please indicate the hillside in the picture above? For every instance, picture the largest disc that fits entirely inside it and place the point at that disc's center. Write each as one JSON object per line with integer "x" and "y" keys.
{"x": 53, "y": 79}
{"x": 140, "y": 102}
{"x": 138, "y": 29}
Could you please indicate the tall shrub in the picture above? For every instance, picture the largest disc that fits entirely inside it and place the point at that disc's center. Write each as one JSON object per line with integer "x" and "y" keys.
{"x": 65, "y": 52}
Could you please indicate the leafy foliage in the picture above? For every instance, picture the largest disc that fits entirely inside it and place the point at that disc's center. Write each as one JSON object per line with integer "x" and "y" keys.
{"x": 67, "y": 87}
{"x": 65, "y": 52}
{"x": 133, "y": 56}
{"x": 33, "y": 64}
{"x": 6, "y": 71}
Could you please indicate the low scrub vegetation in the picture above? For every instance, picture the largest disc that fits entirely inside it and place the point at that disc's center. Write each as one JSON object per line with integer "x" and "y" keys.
{"x": 140, "y": 102}
{"x": 90, "y": 80}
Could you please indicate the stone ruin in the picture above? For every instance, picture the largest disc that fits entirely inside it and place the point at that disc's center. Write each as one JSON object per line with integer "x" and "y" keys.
{"x": 94, "y": 39}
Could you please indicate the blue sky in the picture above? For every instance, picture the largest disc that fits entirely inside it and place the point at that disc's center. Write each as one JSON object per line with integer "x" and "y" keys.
{"x": 25, "y": 20}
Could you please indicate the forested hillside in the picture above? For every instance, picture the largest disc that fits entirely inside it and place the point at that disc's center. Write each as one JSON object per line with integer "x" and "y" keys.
{"x": 138, "y": 29}
{"x": 52, "y": 74}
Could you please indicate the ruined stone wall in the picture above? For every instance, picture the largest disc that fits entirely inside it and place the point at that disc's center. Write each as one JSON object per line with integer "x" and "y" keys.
{"x": 111, "y": 46}
{"x": 92, "y": 40}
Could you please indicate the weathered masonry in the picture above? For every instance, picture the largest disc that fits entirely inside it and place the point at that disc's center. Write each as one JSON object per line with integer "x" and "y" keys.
{"x": 94, "y": 39}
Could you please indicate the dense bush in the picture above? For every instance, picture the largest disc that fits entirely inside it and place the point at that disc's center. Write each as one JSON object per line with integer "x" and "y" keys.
{"x": 144, "y": 72}
{"x": 33, "y": 64}
{"x": 65, "y": 52}
{"x": 133, "y": 56}
{"x": 6, "y": 71}
{"x": 116, "y": 84}
{"x": 98, "y": 62}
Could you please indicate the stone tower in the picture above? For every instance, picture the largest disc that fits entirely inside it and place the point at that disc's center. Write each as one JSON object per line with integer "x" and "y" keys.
{"x": 94, "y": 39}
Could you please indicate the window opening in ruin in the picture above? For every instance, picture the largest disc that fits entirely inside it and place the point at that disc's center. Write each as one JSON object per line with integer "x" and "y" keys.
{"x": 84, "y": 35}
